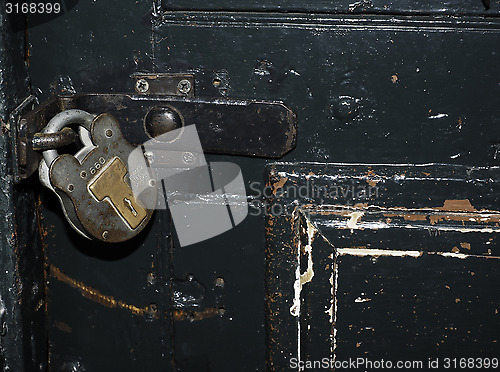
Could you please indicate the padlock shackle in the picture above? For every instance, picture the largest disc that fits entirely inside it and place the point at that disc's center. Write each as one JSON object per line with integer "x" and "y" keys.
{"x": 61, "y": 120}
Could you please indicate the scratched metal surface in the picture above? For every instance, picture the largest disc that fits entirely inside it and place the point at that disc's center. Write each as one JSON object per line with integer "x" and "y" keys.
{"x": 374, "y": 89}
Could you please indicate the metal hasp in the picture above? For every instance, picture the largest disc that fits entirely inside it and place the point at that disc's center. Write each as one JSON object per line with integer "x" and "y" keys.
{"x": 48, "y": 141}
{"x": 225, "y": 126}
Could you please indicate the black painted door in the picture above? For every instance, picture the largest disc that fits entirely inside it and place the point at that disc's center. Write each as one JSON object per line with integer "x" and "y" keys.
{"x": 375, "y": 237}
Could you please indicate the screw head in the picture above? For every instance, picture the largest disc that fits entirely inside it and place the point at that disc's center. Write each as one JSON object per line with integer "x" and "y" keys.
{"x": 141, "y": 86}
{"x": 184, "y": 86}
{"x": 219, "y": 282}
{"x": 105, "y": 235}
{"x": 187, "y": 157}
{"x": 151, "y": 278}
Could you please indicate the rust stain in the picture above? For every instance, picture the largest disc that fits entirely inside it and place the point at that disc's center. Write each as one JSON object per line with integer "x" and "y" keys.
{"x": 179, "y": 314}
{"x": 96, "y": 296}
{"x": 279, "y": 184}
{"x": 394, "y": 78}
{"x": 455, "y": 250}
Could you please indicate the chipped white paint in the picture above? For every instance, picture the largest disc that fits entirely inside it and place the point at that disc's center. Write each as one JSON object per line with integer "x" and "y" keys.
{"x": 353, "y": 220}
{"x": 438, "y": 116}
{"x": 377, "y": 252}
{"x": 334, "y": 291}
{"x": 359, "y": 299}
{"x": 307, "y": 276}
{"x": 463, "y": 255}
{"x": 329, "y": 311}
{"x": 362, "y": 252}
{"x": 301, "y": 279}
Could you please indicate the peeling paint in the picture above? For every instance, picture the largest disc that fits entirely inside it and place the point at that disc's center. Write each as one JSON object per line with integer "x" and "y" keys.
{"x": 359, "y": 299}
{"x": 438, "y": 116}
{"x": 465, "y": 245}
{"x": 457, "y": 206}
{"x": 355, "y": 217}
{"x": 329, "y": 311}
{"x": 278, "y": 185}
{"x": 308, "y": 275}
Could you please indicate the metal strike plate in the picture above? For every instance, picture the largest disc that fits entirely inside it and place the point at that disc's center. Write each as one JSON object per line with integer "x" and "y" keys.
{"x": 169, "y": 84}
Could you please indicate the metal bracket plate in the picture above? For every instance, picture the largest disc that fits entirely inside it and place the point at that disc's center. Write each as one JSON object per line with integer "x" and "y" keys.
{"x": 225, "y": 126}
{"x": 168, "y": 84}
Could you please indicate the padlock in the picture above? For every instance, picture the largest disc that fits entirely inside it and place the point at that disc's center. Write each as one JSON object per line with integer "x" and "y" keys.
{"x": 93, "y": 185}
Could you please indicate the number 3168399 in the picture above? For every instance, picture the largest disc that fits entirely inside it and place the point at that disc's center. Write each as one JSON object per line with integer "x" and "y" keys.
{"x": 33, "y": 8}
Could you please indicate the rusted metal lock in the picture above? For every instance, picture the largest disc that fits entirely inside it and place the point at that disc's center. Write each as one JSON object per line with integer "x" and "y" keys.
{"x": 94, "y": 184}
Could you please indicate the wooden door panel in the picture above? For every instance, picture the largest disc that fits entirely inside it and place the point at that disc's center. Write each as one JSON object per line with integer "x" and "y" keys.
{"x": 381, "y": 275}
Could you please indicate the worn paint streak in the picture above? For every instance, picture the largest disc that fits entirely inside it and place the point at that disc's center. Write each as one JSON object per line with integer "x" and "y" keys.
{"x": 377, "y": 252}
{"x": 434, "y": 215}
{"x": 362, "y": 252}
{"x": 393, "y": 217}
{"x": 308, "y": 275}
{"x": 463, "y": 255}
{"x": 329, "y": 311}
{"x": 94, "y": 294}
{"x": 335, "y": 306}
